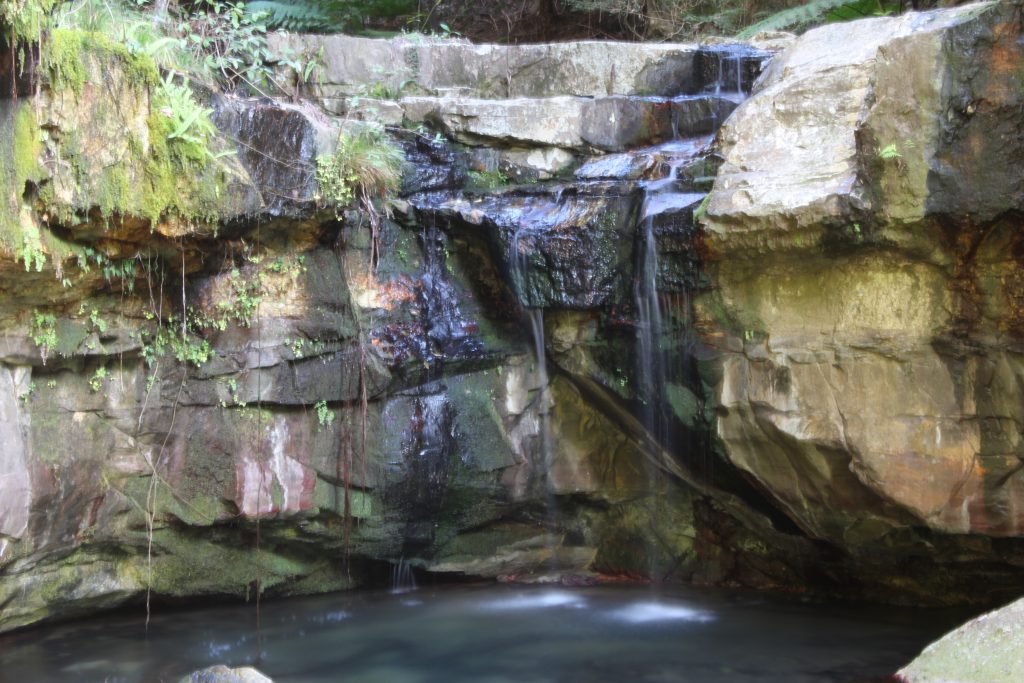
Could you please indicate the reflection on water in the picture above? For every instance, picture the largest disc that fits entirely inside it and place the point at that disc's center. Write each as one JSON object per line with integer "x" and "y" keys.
{"x": 535, "y": 600}
{"x": 646, "y": 612}
{"x": 493, "y": 634}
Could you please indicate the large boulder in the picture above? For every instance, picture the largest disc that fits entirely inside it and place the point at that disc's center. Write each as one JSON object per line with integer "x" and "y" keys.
{"x": 986, "y": 649}
{"x": 864, "y": 235}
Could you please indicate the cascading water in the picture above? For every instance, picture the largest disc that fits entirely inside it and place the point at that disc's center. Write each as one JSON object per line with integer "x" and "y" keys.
{"x": 662, "y": 197}
{"x": 519, "y": 261}
{"x": 402, "y": 578}
{"x": 654, "y": 368}
{"x": 662, "y": 349}
{"x": 588, "y": 246}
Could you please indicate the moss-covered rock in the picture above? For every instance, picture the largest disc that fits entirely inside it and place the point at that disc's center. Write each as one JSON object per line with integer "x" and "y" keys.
{"x": 984, "y": 650}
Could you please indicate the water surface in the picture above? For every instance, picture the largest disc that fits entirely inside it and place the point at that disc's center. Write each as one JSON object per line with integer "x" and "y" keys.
{"x": 492, "y": 634}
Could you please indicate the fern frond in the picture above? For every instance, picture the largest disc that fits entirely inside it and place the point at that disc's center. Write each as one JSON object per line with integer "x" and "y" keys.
{"x": 303, "y": 17}
{"x": 796, "y": 17}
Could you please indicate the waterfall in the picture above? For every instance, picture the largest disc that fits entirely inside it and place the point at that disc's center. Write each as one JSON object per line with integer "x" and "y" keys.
{"x": 402, "y": 578}
{"x": 519, "y": 261}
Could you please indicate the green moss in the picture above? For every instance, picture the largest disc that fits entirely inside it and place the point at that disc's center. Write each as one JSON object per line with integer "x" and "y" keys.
{"x": 63, "y": 59}
{"x": 73, "y": 58}
{"x": 171, "y": 177}
{"x": 24, "y": 20}
{"x": 115, "y": 190}
{"x": 181, "y": 176}
{"x": 20, "y": 166}
{"x": 28, "y": 146}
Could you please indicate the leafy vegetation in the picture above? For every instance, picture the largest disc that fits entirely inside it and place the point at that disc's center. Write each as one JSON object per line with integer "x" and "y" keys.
{"x": 44, "y": 333}
{"x": 324, "y": 415}
{"x": 365, "y": 166}
{"x": 816, "y": 12}
{"x": 24, "y": 20}
{"x": 487, "y": 180}
{"x": 229, "y": 43}
{"x": 97, "y": 379}
{"x": 328, "y": 15}
{"x": 890, "y": 152}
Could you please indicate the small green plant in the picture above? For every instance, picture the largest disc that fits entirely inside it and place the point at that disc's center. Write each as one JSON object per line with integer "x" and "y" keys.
{"x": 96, "y": 381}
{"x": 365, "y": 166}
{"x": 702, "y": 209}
{"x": 232, "y": 385}
{"x": 890, "y": 152}
{"x": 297, "y": 347}
{"x": 241, "y": 306}
{"x": 190, "y": 122}
{"x": 182, "y": 341}
{"x": 307, "y": 66}
{"x": 32, "y": 252}
{"x": 44, "y": 333}
{"x": 381, "y": 90}
{"x": 98, "y": 323}
{"x": 487, "y": 180}
{"x": 447, "y": 31}
{"x": 291, "y": 266}
{"x": 324, "y": 415}
{"x": 27, "y": 396}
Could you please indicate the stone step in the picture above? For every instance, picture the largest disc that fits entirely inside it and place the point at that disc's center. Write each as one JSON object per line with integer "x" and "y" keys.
{"x": 416, "y": 64}
{"x": 579, "y": 124}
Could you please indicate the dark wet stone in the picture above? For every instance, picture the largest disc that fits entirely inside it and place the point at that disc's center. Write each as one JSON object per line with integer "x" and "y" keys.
{"x": 278, "y": 144}
{"x": 431, "y": 164}
{"x": 729, "y": 68}
{"x": 560, "y": 247}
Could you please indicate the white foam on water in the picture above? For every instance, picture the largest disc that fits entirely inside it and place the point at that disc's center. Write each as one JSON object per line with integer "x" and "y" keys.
{"x": 332, "y": 617}
{"x": 536, "y": 601}
{"x": 650, "y": 612}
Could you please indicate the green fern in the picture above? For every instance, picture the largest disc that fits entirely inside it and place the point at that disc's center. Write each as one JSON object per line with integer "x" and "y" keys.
{"x": 814, "y": 12}
{"x": 307, "y": 17}
{"x": 861, "y": 9}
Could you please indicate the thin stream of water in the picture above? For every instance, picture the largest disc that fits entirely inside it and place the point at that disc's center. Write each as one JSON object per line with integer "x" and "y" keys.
{"x": 519, "y": 260}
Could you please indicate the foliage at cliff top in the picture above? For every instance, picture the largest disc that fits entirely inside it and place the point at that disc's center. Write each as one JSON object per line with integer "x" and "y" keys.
{"x": 49, "y": 168}
{"x": 25, "y": 19}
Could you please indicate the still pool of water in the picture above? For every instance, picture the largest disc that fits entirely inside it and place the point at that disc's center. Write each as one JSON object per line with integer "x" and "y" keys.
{"x": 492, "y": 634}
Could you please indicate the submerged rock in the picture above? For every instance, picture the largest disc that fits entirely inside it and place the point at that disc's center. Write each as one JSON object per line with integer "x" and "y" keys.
{"x": 222, "y": 674}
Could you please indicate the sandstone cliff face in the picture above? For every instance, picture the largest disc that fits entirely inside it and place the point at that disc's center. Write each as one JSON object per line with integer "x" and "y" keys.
{"x": 211, "y": 385}
{"x": 863, "y": 231}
